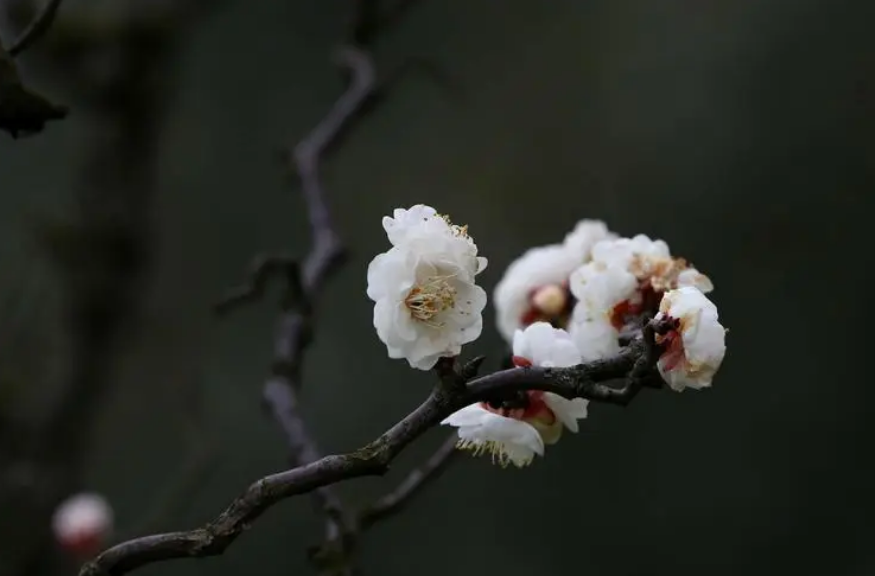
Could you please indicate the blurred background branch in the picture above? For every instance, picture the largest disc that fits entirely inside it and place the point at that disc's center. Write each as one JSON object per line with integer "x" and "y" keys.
{"x": 22, "y": 111}
{"x": 103, "y": 251}
{"x": 303, "y": 281}
{"x": 38, "y": 26}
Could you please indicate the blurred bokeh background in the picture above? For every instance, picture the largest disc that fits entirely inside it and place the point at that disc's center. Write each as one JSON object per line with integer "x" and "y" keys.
{"x": 739, "y": 131}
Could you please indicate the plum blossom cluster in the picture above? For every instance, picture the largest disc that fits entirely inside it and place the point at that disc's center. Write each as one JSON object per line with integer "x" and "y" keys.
{"x": 557, "y": 306}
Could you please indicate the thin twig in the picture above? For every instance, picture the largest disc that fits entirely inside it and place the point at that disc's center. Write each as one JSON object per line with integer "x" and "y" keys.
{"x": 418, "y": 478}
{"x": 263, "y": 267}
{"x": 327, "y": 250}
{"x": 295, "y": 321}
{"x": 37, "y": 27}
{"x": 586, "y": 381}
{"x": 22, "y": 111}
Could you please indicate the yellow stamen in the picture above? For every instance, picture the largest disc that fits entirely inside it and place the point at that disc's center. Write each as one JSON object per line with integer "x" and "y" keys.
{"x": 427, "y": 300}
{"x": 491, "y": 447}
{"x": 461, "y": 231}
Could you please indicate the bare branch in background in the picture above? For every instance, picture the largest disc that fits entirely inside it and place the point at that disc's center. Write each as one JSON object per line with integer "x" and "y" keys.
{"x": 416, "y": 480}
{"x": 303, "y": 281}
{"x": 103, "y": 252}
{"x": 36, "y": 28}
{"x": 22, "y": 111}
{"x": 295, "y": 321}
{"x": 635, "y": 365}
{"x": 261, "y": 271}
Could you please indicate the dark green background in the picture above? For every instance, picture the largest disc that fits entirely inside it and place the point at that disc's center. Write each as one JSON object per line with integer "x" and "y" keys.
{"x": 738, "y": 130}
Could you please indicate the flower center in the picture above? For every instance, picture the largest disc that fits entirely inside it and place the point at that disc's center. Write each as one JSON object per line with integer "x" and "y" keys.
{"x": 427, "y": 300}
{"x": 645, "y": 300}
{"x": 550, "y": 303}
{"x": 668, "y": 336}
{"x": 528, "y": 406}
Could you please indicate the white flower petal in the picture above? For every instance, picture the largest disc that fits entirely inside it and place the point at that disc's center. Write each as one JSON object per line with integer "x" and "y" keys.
{"x": 544, "y": 345}
{"x": 584, "y": 236}
{"x": 567, "y": 411}
{"x": 622, "y": 251}
{"x": 468, "y": 416}
{"x": 694, "y": 278}
{"x": 600, "y": 286}
{"x": 595, "y": 337}
{"x": 505, "y": 438}
{"x": 402, "y": 222}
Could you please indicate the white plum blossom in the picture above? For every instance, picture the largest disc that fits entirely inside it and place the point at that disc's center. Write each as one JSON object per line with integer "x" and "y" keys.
{"x": 695, "y": 345}
{"x": 543, "y": 268}
{"x": 625, "y": 279}
{"x": 484, "y": 431}
{"x": 82, "y": 524}
{"x": 513, "y": 431}
{"x": 651, "y": 262}
{"x": 427, "y": 304}
{"x": 602, "y": 291}
{"x": 534, "y": 286}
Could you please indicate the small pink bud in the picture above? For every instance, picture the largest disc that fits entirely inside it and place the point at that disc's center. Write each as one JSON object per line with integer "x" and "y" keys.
{"x": 82, "y": 525}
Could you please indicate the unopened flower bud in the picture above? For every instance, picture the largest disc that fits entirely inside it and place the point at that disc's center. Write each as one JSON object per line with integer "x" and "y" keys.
{"x": 82, "y": 524}
{"x": 550, "y": 299}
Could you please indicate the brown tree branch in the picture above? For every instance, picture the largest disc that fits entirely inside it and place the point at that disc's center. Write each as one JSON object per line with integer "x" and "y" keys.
{"x": 635, "y": 364}
{"x": 38, "y": 26}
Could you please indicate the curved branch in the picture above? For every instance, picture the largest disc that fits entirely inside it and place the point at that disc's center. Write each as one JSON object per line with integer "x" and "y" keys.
{"x": 635, "y": 364}
{"x": 295, "y": 321}
{"x": 418, "y": 478}
{"x": 326, "y": 249}
{"x": 37, "y": 27}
